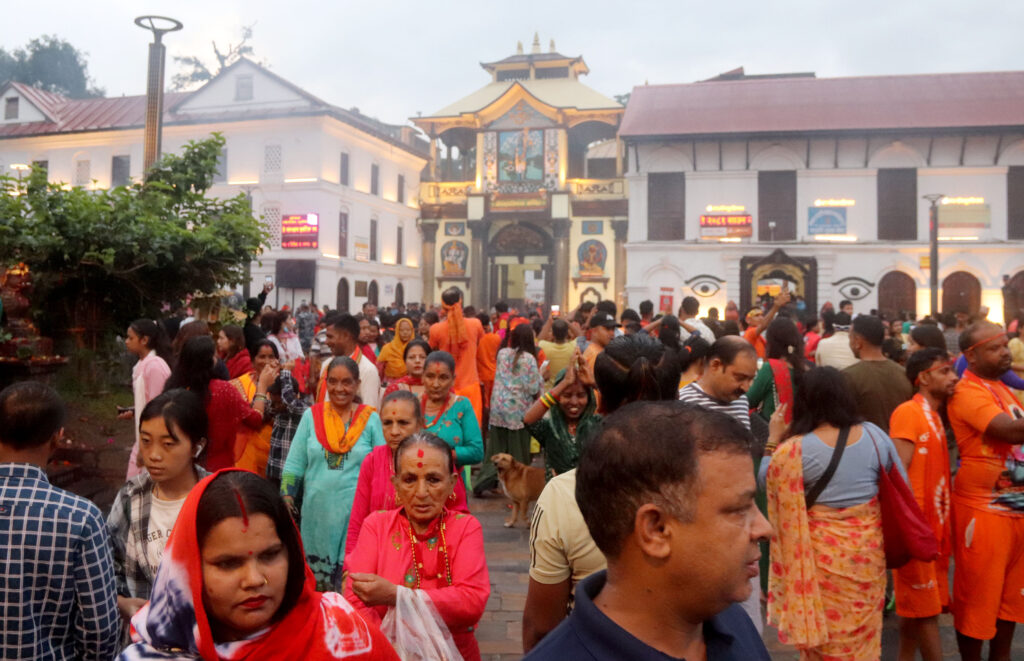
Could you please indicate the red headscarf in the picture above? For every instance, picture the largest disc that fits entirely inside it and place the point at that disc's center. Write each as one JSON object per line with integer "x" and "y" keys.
{"x": 174, "y": 624}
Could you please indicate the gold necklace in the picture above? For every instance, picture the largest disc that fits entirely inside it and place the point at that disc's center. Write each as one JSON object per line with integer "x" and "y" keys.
{"x": 416, "y": 566}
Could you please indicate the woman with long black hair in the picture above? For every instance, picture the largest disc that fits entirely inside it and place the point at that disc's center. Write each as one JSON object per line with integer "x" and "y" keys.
{"x": 225, "y": 406}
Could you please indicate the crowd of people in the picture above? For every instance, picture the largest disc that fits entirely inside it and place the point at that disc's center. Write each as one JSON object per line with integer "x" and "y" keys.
{"x": 301, "y": 486}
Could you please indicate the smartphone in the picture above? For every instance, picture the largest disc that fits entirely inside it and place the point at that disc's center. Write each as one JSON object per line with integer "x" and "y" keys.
{"x": 556, "y": 310}
{"x": 269, "y": 279}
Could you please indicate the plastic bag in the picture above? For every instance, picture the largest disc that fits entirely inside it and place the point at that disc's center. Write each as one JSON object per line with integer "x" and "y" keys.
{"x": 416, "y": 629}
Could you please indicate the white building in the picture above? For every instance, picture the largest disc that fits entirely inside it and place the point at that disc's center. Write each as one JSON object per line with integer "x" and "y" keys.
{"x": 302, "y": 161}
{"x": 741, "y": 184}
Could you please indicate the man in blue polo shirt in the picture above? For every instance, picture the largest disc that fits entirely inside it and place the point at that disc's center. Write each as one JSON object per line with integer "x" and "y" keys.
{"x": 667, "y": 491}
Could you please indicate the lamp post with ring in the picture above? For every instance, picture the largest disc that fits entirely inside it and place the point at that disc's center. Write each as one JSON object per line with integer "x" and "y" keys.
{"x": 159, "y": 26}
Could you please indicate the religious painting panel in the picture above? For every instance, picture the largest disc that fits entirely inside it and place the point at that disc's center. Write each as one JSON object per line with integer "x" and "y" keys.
{"x": 454, "y": 255}
{"x": 455, "y": 229}
{"x": 522, "y": 114}
{"x": 490, "y": 160}
{"x": 520, "y": 155}
{"x": 762, "y": 278}
{"x": 590, "y": 227}
{"x": 551, "y": 158}
{"x": 592, "y": 256}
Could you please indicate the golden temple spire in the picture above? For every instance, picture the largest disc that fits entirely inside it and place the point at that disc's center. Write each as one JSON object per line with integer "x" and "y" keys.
{"x": 519, "y": 48}
{"x": 536, "y": 43}
{"x": 551, "y": 49}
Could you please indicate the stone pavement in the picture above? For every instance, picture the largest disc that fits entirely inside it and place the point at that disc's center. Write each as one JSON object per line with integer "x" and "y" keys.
{"x": 508, "y": 560}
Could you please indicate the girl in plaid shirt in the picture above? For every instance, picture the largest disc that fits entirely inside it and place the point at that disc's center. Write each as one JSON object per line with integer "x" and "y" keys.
{"x": 172, "y": 437}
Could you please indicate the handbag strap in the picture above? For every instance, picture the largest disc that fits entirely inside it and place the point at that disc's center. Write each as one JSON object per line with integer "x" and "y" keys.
{"x": 837, "y": 453}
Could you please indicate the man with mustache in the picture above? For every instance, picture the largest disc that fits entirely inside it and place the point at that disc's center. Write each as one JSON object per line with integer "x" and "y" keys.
{"x": 988, "y": 499}
{"x": 667, "y": 492}
{"x": 731, "y": 368}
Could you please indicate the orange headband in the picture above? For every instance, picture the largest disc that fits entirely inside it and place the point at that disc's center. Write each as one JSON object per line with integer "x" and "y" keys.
{"x": 980, "y": 342}
{"x": 917, "y": 379}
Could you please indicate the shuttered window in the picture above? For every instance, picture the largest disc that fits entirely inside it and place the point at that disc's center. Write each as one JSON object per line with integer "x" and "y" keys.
{"x": 1015, "y": 202}
{"x": 897, "y": 204}
{"x": 666, "y": 206}
{"x": 776, "y": 203}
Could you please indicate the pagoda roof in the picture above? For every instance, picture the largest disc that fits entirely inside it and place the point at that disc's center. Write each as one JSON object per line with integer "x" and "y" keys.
{"x": 560, "y": 93}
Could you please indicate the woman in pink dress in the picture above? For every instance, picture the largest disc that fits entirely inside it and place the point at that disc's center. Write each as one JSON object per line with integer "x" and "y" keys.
{"x": 400, "y": 418}
{"x": 147, "y": 340}
{"x": 422, "y": 546}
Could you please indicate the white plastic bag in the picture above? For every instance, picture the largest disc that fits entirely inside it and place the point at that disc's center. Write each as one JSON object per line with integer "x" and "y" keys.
{"x": 416, "y": 629}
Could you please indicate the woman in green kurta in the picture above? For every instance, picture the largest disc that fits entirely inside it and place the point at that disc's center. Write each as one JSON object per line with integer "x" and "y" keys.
{"x": 563, "y": 419}
{"x": 323, "y": 465}
{"x": 450, "y": 416}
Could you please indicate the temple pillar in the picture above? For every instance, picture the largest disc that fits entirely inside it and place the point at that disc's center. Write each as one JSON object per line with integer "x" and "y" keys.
{"x": 478, "y": 265}
{"x": 560, "y": 256}
{"x": 428, "y": 231}
{"x": 621, "y": 228}
{"x": 433, "y": 155}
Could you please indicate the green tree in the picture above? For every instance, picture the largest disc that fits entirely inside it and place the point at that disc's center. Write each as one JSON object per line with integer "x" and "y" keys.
{"x": 52, "y": 64}
{"x": 195, "y": 71}
{"x": 102, "y": 258}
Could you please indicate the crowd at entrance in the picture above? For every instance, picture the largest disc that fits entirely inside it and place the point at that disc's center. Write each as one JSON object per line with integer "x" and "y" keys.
{"x": 302, "y": 486}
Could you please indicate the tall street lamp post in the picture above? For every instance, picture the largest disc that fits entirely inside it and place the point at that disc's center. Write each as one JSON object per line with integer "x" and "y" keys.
{"x": 933, "y": 243}
{"x": 158, "y": 25}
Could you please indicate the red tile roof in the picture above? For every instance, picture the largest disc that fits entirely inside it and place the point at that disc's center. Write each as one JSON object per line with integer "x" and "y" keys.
{"x": 791, "y": 105}
{"x": 75, "y": 115}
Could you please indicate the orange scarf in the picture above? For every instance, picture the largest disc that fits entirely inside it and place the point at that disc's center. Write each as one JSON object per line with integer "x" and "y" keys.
{"x": 331, "y": 430}
{"x": 321, "y": 388}
{"x": 457, "y": 333}
{"x": 392, "y": 355}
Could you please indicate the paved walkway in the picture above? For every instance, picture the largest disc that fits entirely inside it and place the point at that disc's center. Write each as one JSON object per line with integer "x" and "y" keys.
{"x": 508, "y": 559}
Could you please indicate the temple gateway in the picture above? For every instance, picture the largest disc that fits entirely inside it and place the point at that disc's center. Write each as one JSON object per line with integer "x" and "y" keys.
{"x": 524, "y": 200}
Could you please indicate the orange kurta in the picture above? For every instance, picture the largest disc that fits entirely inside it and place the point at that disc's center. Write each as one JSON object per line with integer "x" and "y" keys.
{"x": 467, "y": 379}
{"x": 486, "y": 362}
{"x": 922, "y": 588}
{"x": 252, "y": 446}
{"x": 988, "y": 510}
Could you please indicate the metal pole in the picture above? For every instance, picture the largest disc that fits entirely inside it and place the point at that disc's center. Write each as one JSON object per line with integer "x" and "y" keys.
{"x": 158, "y": 25}
{"x": 933, "y": 244}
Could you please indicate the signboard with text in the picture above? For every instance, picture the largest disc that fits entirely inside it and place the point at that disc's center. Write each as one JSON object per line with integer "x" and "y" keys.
{"x": 362, "y": 249}
{"x": 726, "y": 226}
{"x": 826, "y": 220}
{"x": 300, "y": 230}
{"x": 971, "y": 216}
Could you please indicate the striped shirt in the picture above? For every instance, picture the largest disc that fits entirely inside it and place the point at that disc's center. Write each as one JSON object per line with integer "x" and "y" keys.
{"x": 57, "y": 584}
{"x": 738, "y": 408}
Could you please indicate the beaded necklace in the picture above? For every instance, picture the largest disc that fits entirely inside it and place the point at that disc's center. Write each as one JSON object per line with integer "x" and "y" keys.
{"x": 416, "y": 566}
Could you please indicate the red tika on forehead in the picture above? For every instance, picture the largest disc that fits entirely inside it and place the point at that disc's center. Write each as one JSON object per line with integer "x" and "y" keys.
{"x": 245, "y": 514}
{"x": 419, "y": 453}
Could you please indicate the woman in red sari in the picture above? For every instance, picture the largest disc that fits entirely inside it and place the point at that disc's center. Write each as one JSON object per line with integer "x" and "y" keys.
{"x": 422, "y": 546}
{"x": 233, "y": 585}
{"x": 415, "y": 356}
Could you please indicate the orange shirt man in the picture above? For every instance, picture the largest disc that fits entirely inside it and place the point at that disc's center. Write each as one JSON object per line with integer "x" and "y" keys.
{"x": 757, "y": 323}
{"x": 487, "y": 364}
{"x": 922, "y": 588}
{"x": 988, "y": 498}
{"x": 460, "y": 337}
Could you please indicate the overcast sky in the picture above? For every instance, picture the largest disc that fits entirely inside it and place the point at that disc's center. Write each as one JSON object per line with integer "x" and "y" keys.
{"x": 392, "y": 58}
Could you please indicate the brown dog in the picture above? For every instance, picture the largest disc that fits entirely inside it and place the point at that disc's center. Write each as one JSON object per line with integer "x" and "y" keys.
{"x": 521, "y": 483}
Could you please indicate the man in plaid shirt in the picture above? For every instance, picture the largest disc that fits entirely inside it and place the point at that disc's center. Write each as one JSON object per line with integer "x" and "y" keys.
{"x": 57, "y": 598}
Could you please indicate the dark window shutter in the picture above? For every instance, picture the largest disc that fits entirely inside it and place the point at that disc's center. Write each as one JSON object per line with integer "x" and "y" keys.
{"x": 1015, "y": 202}
{"x": 897, "y": 204}
{"x": 776, "y": 202}
{"x": 666, "y": 206}
{"x": 343, "y": 170}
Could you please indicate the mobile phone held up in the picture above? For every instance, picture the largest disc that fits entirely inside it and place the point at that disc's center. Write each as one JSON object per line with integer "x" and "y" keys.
{"x": 556, "y": 310}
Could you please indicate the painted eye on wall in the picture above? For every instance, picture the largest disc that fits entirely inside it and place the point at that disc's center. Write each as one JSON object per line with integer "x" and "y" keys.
{"x": 705, "y": 285}
{"x": 854, "y": 288}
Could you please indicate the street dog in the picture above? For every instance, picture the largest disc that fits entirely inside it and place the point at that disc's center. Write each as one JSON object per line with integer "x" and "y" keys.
{"x": 521, "y": 483}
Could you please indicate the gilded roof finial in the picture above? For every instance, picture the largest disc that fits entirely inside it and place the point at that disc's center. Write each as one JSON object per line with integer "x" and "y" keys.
{"x": 552, "y": 47}
{"x": 519, "y": 48}
{"x": 536, "y": 43}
